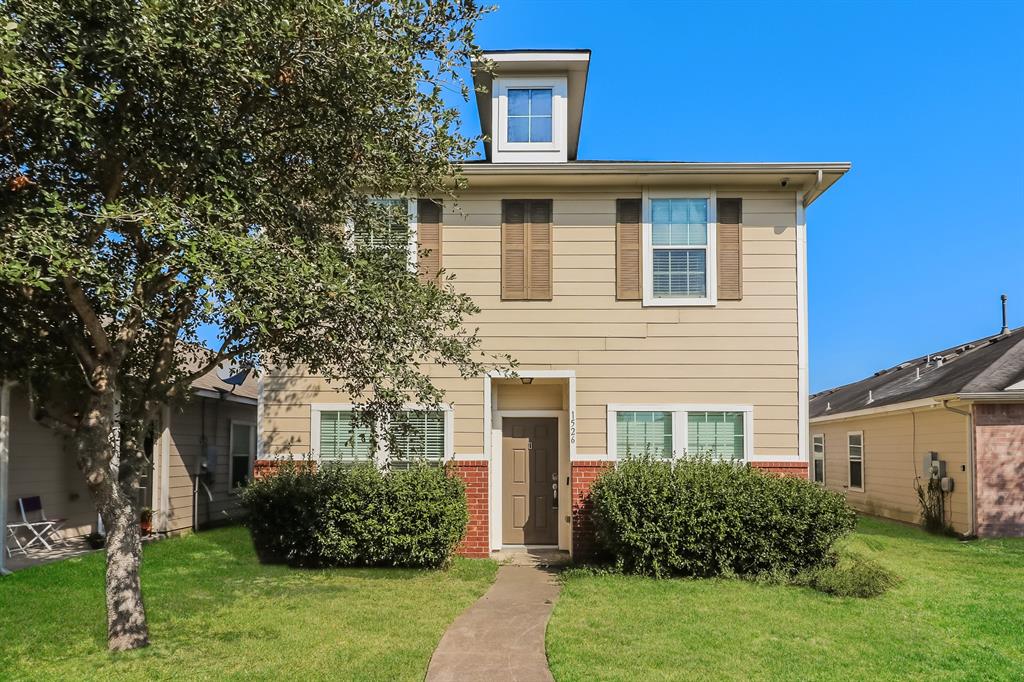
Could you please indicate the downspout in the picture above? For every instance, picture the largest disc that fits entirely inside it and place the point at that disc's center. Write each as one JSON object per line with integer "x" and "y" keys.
{"x": 970, "y": 465}
{"x": 5, "y": 449}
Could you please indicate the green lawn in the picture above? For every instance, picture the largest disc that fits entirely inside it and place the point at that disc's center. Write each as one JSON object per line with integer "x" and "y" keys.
{"x": 216, "y": 613}
{"x": 957, "y": 614}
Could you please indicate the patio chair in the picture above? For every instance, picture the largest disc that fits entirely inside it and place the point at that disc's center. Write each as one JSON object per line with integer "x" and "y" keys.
{"x": 35, "y": 524}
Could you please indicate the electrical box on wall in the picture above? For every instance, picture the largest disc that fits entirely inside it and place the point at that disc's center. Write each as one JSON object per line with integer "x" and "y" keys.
{"x": 934, "y": 467}
{"x": 946, "y": 484}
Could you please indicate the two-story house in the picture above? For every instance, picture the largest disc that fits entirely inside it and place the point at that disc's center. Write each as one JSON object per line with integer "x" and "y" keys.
{"x": 653, "y": 306}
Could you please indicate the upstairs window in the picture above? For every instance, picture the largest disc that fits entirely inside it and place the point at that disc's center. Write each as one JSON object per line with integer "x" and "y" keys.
{"x": 679, "y": 249}
{"x": 529, "y": 115}
{"x": 396, "y": 235}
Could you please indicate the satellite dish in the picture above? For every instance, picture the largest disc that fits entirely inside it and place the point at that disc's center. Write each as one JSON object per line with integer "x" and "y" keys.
{"x": 232, "y": 373}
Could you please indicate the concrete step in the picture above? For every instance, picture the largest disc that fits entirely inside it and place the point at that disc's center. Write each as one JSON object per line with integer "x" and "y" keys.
{"x": 531, "y": 556}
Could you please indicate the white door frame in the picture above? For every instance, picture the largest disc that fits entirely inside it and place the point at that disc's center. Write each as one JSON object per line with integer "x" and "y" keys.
{"x": 566, "y": 451}
{"x": 5, "y": 450}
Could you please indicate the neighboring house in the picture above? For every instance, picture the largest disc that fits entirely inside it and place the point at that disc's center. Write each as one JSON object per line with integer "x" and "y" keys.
{"x": 656, "y": 305}
{"x": 962, "y": 406}
{"x": 200, "y": 452}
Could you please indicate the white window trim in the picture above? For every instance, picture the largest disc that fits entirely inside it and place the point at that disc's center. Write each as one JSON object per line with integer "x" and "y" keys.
{"x": 558, "y": 87}
{"x": 231, "y": 448}
{"x": 381, "y": 456}
{"x": 412, "y": 207}
{"x": 680, "y": 426}
{"x": 863, "y": 470}
{"x": 648, "y": 249}
{"x": 814, "y": 456}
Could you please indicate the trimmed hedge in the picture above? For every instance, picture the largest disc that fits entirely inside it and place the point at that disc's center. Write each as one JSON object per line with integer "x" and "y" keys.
{"x": 700, "y": 517}
{"x": 356, "y": 516}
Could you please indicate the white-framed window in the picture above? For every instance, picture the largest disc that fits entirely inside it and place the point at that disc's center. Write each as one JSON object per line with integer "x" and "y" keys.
{"x": 679, "y": 248}
{"x": 401, "y": 234}
{"x": 529, "y": 118}
{"x": 818, "y": 458}
{"x": 855, "y": 454}
{"x": 337, "y": 437}
{"x": 679, "y": 430}
{"x": 529, "y": 114}
{"x": 241, "y": 453}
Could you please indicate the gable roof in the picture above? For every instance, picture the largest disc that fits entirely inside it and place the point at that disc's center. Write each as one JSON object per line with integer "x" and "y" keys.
{"x": 991, "y": 365}
{"x": 213, "y": 386}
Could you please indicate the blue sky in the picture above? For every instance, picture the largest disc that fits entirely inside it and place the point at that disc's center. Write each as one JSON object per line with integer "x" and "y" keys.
{"x": 909, "y": 252}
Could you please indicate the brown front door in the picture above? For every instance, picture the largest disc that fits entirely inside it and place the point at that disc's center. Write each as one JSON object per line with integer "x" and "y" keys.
{"x": 529, "y": 476}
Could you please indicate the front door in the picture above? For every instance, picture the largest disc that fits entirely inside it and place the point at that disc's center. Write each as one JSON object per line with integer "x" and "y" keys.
{"x": 529, "y": 475}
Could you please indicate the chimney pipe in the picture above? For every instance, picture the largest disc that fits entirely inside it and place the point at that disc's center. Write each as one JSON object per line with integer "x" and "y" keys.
{"x": 1005, "y": 329}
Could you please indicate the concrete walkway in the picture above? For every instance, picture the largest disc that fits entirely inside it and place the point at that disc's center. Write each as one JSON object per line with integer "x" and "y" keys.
{"x": 501, "y": 636}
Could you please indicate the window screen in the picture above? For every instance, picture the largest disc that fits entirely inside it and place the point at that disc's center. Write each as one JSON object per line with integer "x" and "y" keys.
{"x": 719, "y": 434}
{"x": 639, "y": 433}
{"x": 679, "y": 239}
{"x": 344, "y": 441}
{"x": 419, "y": 436}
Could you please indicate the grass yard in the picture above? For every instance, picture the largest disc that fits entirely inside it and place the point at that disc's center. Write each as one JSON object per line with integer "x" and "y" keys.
{"x": 957, "y": 614}
{"x": 216, "y": 613}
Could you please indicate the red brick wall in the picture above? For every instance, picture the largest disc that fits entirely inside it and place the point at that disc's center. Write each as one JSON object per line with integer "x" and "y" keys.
{"x": 795, "y": 469}
{"x": 999, "y": 459}
{"x": 474, "y": 475}
{"x": 583, "y": 476}
{"x": 268, "y": 467}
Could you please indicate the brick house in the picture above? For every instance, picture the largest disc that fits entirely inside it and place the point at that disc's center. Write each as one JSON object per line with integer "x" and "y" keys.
{"x": 957, "y": 414}
{"x": 651, "y": 305}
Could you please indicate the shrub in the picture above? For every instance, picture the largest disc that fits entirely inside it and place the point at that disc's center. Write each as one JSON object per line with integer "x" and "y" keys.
{"x": 357, "y": 516}
{"x": 701, "y": 517}
{"x": 849, "y": 576}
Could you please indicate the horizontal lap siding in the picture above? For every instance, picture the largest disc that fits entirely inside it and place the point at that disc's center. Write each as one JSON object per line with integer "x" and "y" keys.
{"x": 39, "y": 465}
{"x": 742, "y": 351}
{"x": 894, "y": 447}
{"x": 186, "y": 454}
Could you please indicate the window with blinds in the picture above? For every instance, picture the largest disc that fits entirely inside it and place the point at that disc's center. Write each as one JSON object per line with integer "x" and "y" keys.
{"x": 718, "y": 434}
{"x": 343, "y": 440}
{"x": 419, "y": 436}
{"x": 393, "y": 234}
{"x": 679, "y": 239}
{"x": 639, "y": 433}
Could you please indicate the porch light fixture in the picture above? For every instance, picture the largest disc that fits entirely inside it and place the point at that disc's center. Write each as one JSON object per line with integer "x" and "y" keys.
{"x": 526, "y": 380}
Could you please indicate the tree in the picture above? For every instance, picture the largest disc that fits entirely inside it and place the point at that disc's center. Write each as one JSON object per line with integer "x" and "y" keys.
{"x": 174, "y": 164}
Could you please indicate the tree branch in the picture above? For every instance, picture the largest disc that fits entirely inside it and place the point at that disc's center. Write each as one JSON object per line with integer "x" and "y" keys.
{"x": 88, "y": 315}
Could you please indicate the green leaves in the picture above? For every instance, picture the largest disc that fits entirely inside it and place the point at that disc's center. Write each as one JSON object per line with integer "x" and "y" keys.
{"x": 192, "y": 165}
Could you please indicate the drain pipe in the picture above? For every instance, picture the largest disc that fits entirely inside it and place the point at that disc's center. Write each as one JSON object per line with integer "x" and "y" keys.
{"x": 970, "y": 465}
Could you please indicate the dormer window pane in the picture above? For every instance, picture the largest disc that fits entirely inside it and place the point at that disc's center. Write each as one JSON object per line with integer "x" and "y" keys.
{"x": 529, "y": 115}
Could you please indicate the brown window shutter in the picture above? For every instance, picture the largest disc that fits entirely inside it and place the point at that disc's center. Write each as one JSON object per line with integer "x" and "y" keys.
{"x": 627, "y": 250}
{"x": 730, "y": 249}
{"x": 538, "y": 267}
{"x": 513, "y": 249}
{"x": 428, "y": 237}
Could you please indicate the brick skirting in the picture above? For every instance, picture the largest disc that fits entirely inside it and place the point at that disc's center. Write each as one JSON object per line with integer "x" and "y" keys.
{"x": 474, "y": 475}
{"x": 584, "y": 473}
{"x": 794, "y": 469}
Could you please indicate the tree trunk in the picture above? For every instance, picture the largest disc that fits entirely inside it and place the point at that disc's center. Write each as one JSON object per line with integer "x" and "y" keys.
{"x": 126, "y": 615}
{"x": 110, "y": 480}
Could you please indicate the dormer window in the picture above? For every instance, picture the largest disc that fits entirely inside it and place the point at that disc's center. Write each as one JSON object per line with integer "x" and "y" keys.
{"x": 531, "y": 104}
{"x": 529, "y": 114}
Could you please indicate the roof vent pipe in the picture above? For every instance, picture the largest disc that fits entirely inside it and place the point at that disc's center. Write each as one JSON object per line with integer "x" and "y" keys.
{"x": 1005, "y": 329}
{"x": 871, "y": 397}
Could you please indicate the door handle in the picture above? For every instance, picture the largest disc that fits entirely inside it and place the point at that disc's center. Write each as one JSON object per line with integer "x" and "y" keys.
{"x": 554, "y": 495}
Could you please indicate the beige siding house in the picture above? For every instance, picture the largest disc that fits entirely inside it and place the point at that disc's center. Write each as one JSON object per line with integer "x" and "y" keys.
{"x": 962, "y": 407}
{"x": 651, "y": 305}
{"x": 200, "y": 452}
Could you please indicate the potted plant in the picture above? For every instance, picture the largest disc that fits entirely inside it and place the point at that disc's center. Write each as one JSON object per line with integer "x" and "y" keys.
{"x": 96, "y": 540}
{"x": 146, "y": 520}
